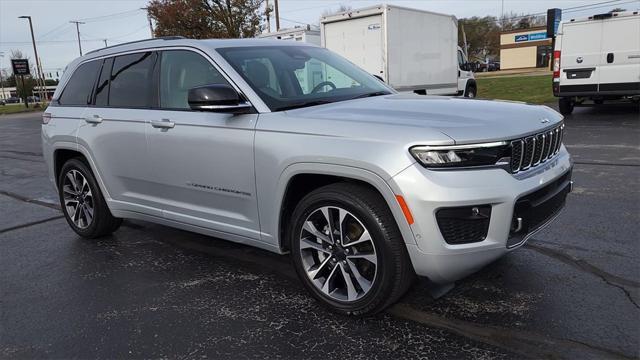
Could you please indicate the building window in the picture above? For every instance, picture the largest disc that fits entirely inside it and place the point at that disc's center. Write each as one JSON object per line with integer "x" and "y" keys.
{"x": 543, "y": 56}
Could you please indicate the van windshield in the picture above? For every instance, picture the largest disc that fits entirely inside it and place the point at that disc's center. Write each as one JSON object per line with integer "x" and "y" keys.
{"x": 289, "y": 77}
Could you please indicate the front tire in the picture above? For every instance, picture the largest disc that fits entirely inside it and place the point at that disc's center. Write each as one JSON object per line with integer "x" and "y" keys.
{"x": 348, "y": 251}
{"x": 82, "y": 202}
{"x": 566, "y": 105}
{"x": 471, "y": 91}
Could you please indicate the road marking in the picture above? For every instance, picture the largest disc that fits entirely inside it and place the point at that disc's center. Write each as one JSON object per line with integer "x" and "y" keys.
{"x": 525, "y": 343}
{"x": 17, "y": 227}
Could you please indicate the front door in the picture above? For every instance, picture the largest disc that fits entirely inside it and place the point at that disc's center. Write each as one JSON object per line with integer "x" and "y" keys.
{"x": 202, "y": 161}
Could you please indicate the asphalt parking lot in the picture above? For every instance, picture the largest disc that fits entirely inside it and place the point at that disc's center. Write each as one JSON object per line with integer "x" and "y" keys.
{"x": 152, "y": 291}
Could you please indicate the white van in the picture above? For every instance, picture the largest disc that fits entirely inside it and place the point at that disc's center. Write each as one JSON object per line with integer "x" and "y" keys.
{"x": 409, "y": 49}
{"x": 598, "y": 59}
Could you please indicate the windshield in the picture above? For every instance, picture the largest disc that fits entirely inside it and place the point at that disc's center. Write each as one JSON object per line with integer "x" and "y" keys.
{"x": 289, "y": 77}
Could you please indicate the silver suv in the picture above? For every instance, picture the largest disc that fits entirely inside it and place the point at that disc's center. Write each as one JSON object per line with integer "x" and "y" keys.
{"x": 291, "y": 148}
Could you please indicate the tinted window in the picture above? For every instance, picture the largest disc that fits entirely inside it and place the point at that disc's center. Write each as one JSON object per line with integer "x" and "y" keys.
{"x": 78, "y": 89}
{"x": 102, "y": 89}
{"x": 131, "y": 80}
{"x": 287, "y": 77}
{"x": 180, "y": 71}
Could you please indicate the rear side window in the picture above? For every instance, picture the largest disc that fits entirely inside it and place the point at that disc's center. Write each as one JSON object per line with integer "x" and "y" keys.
{"x": 79, "y": 87}
{"x": 131, "y": 80}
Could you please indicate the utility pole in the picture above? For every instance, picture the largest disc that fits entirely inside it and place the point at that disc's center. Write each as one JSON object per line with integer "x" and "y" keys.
{"x": 1, "y": 81}
{"x": 40, "y": 79}
{"x": 105, "y": 42}
{"x": 78, "y": 32}
{"x": 464, "y": 39}
{"x": 267, "y": 12}
{"x": 277, "y": 15}
{"x": 149, "y": 19}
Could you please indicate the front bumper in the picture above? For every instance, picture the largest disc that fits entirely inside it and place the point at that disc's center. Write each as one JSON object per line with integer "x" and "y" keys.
{"x": 426, "y": 192}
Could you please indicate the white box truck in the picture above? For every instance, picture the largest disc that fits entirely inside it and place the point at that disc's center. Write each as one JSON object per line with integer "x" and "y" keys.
{"x": 411, "y": 50}
{"x": 306, "y": 35}
{"x": 598, "y": 59}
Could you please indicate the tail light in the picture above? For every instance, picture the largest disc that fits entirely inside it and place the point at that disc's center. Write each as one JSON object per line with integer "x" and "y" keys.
{"x": 46, "y": 117}
{"x": 556, "y": 64}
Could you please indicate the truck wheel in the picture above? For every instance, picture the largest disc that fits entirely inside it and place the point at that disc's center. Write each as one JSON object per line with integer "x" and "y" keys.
{"x": 82, "y": 202}
{"x": 471, "y": 91}
{"x": 347, "y": 249}
{"x": 566, "y": 105}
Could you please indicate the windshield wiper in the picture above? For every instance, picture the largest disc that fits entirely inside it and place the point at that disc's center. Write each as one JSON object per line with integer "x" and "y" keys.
{"x": 366, "y": 95}
{"x": 303, "y": 104}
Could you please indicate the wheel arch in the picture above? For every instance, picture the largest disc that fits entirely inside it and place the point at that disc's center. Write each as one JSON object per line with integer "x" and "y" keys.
{"x": 63, "y": 153}
{"x": 299, "y": 179}
{"x": 471, "y": 83}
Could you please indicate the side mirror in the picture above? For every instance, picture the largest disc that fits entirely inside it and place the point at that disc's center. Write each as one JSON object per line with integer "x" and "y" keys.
{"x": 466, "y": 66}
{"x": 217, "y": 98}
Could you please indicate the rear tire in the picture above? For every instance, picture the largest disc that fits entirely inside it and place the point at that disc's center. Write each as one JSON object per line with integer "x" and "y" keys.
{"x": 566, "y": 105}
{"x": 82, "y": 202}
{"x": 324, "y": 259}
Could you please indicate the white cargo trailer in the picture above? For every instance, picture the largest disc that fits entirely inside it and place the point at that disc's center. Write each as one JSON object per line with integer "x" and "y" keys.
{"x": 411, "y": 50}
{"x": 296, "y": 34}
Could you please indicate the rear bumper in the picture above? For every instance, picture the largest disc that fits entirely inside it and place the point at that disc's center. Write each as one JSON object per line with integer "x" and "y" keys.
{"x": 593, "y": 90}
{"x": 427, "y": 191}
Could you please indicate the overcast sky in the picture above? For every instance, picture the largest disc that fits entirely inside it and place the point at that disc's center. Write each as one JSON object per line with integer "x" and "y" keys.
{"x": 122, "y": 20}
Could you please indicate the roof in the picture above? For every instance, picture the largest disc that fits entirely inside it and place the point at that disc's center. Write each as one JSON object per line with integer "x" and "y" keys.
{"x": 604, "y": 16}
{"x": 371, "y": 10}
{"x": 180, "y": 41}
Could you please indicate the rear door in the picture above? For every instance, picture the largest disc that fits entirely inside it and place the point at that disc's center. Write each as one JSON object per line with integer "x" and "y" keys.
{"x": 360, "y": 41}
{"x": 580, "y": 56}
{"x": 620, "y": 57}
{"x": 113, "y": 130}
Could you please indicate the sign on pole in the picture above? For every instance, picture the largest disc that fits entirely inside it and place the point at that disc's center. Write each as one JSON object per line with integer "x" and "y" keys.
{"x": 20, "y": 67}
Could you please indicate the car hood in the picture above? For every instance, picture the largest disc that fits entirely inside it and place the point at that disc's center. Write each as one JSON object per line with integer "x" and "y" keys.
{"x": 463, "y": 120}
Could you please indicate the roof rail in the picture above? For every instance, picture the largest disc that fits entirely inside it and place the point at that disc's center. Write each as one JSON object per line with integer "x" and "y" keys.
{"x": 176, "y": 37}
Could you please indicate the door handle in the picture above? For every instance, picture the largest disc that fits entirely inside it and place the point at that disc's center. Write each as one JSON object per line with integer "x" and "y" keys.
{"x": 609, "y": 58}
{"x": 95, "y": 119}
{"x": 163, "y": 124}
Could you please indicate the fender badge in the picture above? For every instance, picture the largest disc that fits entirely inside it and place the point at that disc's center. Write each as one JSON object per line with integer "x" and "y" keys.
{"x": 579, "y": 59}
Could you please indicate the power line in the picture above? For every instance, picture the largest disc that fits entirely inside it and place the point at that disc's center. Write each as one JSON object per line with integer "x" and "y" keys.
{"x": 109, "y": 16}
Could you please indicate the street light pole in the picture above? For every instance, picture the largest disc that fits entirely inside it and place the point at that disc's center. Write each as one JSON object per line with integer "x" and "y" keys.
{"x": 35, "y": 52}
{"x": 78, "y": 32}
{"x": 149, "y": 19}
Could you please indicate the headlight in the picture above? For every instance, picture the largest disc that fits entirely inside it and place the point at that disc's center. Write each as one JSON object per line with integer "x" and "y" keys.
{"x": 472, "y": 155}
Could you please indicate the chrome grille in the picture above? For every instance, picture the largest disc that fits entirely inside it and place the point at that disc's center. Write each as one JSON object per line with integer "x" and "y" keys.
{"x": 534, "y": 150}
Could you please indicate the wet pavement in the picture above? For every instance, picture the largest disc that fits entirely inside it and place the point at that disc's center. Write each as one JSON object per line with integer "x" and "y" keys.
{"x": 153, "y": 291}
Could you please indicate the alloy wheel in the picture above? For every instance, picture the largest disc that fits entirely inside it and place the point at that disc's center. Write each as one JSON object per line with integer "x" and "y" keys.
{"x": 338, "y": 254}
{"x": 78, "y": 199}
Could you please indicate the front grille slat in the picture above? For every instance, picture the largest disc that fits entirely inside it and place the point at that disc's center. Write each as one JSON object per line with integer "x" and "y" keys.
{"x": 537, "y": 150}
{"x": 545, "y": 148}
{"x": 533, "y": 150}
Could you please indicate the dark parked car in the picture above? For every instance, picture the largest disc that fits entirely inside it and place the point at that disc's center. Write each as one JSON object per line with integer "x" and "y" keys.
{"x": 13, "y": 100}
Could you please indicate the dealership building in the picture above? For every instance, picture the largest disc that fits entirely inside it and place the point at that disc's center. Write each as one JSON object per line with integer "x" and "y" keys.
{"x": 525, "y": 48}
